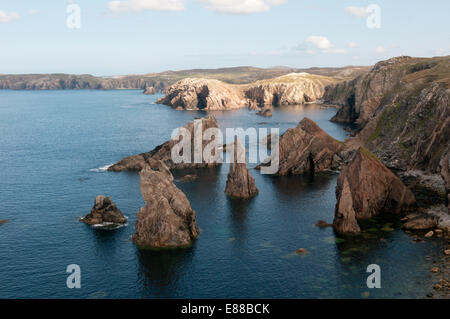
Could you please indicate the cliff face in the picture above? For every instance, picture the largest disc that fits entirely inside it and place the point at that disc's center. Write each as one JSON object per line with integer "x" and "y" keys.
{"x": 361, "y": 97}
{"x": 401, "y": 111}
{"x": 203, "y": 94}
{"x": 76, "y": 82}
{"x": 291, "y": 89}
{"x": 366, "y": 188}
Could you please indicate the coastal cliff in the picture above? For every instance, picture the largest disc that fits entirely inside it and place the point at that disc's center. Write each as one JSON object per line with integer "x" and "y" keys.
{"x": 76, "y": 82}
{"x": 208, "y": 94}
{"x": 401, "y": 112}
{"x": 203, "y": 94}
{"x": 290, "y": 89}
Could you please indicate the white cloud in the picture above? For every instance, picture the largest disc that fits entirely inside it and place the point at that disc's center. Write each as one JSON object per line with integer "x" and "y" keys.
{"x": 357, "y": 11}
{"x": 380, "y": 50}
{"x": 241, "y": 6}
{"x": 314, "y": 42}
{"x": 352, "y": 45}
{"x": 142, "y": 5}
{"x": 8, "y": 17}
{"x": 319, "y": 42}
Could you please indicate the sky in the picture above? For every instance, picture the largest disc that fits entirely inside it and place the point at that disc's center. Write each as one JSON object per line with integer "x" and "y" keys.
{"x": 144, "y": 36}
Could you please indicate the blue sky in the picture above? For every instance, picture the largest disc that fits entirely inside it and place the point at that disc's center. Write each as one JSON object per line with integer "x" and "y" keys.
{"x": 142, "y": 36}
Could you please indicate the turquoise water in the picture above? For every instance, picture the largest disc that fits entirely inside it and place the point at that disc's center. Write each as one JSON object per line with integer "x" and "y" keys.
{"x": 52, "y": 148}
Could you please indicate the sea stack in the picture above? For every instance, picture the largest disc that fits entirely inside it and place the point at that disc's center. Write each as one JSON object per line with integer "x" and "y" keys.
{"x": 104, "y": 212}
{"x": 240, "y": 183}
{"x": 167, "y": 220}
{"x": 308, "y": 149}
{"x": 163, "y": 152}
{"x": 366, "y": 188}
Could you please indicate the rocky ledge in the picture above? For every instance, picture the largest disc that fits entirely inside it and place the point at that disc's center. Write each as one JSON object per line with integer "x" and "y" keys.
{"x": 308, "y": 149}
{"x": 167, "y": 220}
{"x": 105, "y": 213}
{"x": 366, "y": 189}
{"x": 240, "y": 184}
{"x": 163, "y": 152}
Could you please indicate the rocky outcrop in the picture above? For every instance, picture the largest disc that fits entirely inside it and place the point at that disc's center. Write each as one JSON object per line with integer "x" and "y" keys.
{"x": 104, "y": 212}
{"x": 308, "y": 149}
{"x": 167, "y": 220}
{"x": 445, "y": 173}
{"x": 150, "y": 90}
{"x": 290, "y": 89}
{"x": 203, "y": 94}
{"x": 401, "y": 111}
{"x": 266, "y": 112}
{"x": 207, "y": 94}
{"x": 366, "y": 189}
{"x": 420, "y": 221}
{"x": 164, "y": 151}
{"x": 240, "y": 184}
{"x": 361, "y": 97}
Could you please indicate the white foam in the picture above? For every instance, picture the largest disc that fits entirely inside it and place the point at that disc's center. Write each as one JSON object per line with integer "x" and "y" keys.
{"x": 101, "y": 169}
{"x": 109, "y": 226}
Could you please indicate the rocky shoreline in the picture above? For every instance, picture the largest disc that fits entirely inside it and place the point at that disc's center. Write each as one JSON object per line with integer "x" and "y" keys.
{"x": 396, "y": 164}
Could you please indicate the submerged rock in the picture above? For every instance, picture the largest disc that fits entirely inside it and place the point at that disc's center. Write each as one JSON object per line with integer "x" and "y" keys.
{"x": 302, "y": 251}
{"x": 188, "y": 178}
{"x": 163, "y": 152}
{"x": 366, "y": 188}
{"x": 167, "y": 220}
{"x": 323, "y": 224}
{"x": 240, "y": 184}
{"x": 421, "y": 222}
{"x": 104, "y": 212}
{"x": 267, "y": 112}
{"x": 253, "y": 105}
{"x": 308, "y": 149}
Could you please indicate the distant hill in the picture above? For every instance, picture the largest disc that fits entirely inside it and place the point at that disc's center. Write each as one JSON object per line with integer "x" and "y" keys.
{"x": 159, "y": 81}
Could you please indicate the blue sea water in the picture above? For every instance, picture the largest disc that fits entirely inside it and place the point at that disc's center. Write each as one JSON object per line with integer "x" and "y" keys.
{"x": 54, "y": 146}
